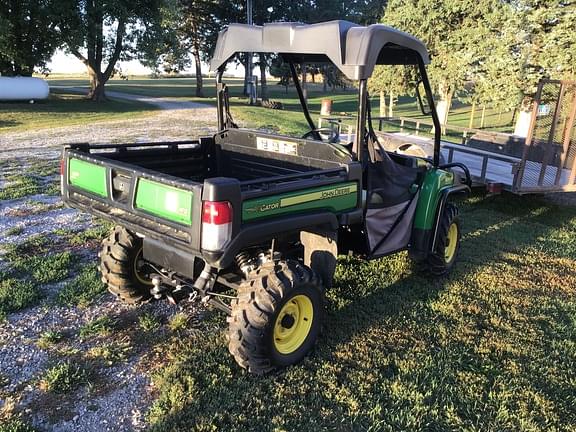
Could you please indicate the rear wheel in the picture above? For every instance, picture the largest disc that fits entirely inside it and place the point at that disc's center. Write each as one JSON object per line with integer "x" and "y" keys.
{"x": 123, "y": 268}
{"x": 445, "y": 255}
{"x": 276, "y": 317}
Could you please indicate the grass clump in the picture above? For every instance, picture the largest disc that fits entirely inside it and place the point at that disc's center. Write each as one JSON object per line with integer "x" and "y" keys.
{"x": 98, "y": 327}
{"x": 45, "y": 269}
{"x": 45, "y": 168}
{"x": 18, "y": 186}
{"x": 148, "y": 321}
{"x": 15, "y": 424}
{"x": 95, "y": 233}
{"x": 49, "y": 338}
{"x": 52, "y": 188}
{"x": 16, "y": 294}
{"x": 14, "y": 230}
{"x": 83, "y": 289}
{"x": 178, "y": 322}
{"x": 4, "y": 380}
{"x": 63, "y": 378}
{"x": 111, "y": 353}
{"x": 34, "y": 245}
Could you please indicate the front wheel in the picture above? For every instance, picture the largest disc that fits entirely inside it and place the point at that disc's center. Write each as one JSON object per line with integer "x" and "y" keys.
{"x": 445, "y": 255}
{"x": 276, "y": 317}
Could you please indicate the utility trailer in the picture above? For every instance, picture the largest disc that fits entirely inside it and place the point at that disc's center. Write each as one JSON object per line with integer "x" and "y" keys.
{"x": 251, "y": 223}
{"x": 543, "y": 162}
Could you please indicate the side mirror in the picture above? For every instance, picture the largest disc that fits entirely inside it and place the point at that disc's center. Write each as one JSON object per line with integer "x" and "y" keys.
{"x": 425, "y": 104}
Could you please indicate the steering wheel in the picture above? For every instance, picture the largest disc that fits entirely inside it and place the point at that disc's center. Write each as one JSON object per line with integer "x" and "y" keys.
{"x": 333, "y": 135}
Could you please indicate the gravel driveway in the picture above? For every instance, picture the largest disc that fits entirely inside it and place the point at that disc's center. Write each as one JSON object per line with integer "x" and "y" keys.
{"x": 120, "y": 391}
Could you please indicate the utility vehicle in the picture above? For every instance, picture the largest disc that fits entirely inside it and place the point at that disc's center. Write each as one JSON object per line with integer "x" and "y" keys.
{"x": 251, "y": 222}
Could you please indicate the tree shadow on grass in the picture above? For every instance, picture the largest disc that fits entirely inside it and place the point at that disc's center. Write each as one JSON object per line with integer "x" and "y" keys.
{"x": 389, "y": 359}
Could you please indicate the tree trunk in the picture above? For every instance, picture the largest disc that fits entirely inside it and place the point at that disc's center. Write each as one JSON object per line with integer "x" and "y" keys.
{"x": 524, "y": 116}
{"x": 382, "y": 104}
{"x": 199, "y": 82}
{"x": 324, "y": 79}
{"x": 97, "y": 91}
{"x": 391, "y": 105}
{"x": 483, "y": 117}
{"x": 263, "y": 82}
{"x": 93, "y": 61}
{"x": 471, "y": 122}
{"x": 247, "y": 73}
{"x": 443, "y": 107}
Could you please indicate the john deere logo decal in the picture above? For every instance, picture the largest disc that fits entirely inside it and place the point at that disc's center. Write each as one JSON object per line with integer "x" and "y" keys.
{"x": 310, "y": 200}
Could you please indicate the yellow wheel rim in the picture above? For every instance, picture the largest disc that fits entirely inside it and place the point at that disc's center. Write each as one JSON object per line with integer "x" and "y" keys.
{"x": 451, "y": 243}
{"x": 137, "y": 273}
{"x": 293, "y": 324}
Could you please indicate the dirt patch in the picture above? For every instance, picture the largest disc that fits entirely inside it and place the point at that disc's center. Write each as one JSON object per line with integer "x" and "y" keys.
{"x": 118, "y": 391}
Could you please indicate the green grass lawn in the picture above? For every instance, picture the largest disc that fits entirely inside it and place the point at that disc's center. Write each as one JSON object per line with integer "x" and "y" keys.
{"x": 290, "y": 120}
{"x": 492, "y": 347}
{"x": 66, "y": 109}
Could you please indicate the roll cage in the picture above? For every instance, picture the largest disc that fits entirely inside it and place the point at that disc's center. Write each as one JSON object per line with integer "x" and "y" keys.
{"x": 355, "y": 50}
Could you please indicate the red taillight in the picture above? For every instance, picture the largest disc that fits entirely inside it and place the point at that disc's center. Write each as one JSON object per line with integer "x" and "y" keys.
{"x": 216, "y": 225}
{"x": 61, "y": 167}
{"x": 217, "y": 212}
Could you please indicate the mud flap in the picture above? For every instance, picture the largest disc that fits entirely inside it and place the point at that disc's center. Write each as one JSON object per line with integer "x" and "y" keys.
{"x": 320, "y": 252}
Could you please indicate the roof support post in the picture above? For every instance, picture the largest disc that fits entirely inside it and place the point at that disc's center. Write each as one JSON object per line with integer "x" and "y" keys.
{"x": 433, "y": 113}
{"x": 357, "y": 147}
{"x": 220, "y": 97}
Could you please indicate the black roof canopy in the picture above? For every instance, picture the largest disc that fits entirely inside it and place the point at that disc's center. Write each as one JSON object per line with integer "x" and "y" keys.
{"x": 354, "y": 49}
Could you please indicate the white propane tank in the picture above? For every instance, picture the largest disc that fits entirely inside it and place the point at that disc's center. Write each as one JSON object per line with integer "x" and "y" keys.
{"x": 23, "y": 88}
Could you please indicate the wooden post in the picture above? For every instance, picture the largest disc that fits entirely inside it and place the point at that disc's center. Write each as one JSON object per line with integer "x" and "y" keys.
{"x": 382, "y": 104}
{"x": 471, "y": 122}
{"x": 567, "y": 135}
{"x": 483, "y": 116}
{"x": 304, "y": 86}
{"x": 519, "y": 176}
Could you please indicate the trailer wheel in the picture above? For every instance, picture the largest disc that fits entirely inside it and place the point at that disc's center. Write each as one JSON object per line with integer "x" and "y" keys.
{"x": 276, "y": 317}
{"x": 122, "y": 267}
{"x": 445, "y": 255}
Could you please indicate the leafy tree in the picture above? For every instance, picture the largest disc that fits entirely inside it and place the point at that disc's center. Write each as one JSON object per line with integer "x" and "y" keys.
{"x": 281, "y": 70}
{"x": 101, "y": 32}
{"x": 159, "y": 47}
{"x": 199, "y": 32}
{"x": 461, "y": 38}
{"x": 27, "y": 35}
{"x": 548, "y": 48}
{"x": 392, "y": 81}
